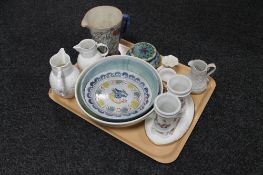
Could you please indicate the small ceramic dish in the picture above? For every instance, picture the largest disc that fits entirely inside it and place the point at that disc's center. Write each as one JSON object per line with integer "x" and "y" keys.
{"x": 118, "y": 90}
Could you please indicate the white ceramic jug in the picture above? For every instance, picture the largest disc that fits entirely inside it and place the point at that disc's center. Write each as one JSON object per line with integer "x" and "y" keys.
{"x": 199, "y": 73}
{"x": 88, "y": 53}
{"x": 63, "y": 75}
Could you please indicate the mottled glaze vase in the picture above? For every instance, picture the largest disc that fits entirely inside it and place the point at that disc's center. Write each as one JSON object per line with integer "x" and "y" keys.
{"x": 105, "y": 25}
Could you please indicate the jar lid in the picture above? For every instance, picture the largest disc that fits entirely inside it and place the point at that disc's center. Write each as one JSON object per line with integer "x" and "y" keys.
{"x": 143, "y": 50}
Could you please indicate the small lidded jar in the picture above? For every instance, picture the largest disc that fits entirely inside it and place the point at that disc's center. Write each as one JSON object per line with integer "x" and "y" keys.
{"x": 146, "y": 52}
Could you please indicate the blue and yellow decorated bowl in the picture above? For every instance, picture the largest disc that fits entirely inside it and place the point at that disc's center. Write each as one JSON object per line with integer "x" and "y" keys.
{"x": 118, "y": 90}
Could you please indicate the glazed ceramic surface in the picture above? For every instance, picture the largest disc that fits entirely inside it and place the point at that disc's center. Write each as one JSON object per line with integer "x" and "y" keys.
{"x": 63, "y": 75}
{"x": 88, "y": 53}
{"x": 199, "y": 74}
{"x": 118, "y": 94}
{"x": 181, "y": 126}
{"x": 104, "y": 23}
{"x": 146, "y": 52}
{"x": 147, "y": 74}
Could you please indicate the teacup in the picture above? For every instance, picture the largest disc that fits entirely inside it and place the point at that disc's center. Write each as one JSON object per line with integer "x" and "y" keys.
{"x": 104, "y": 23}
{"x": 166, "y": 107}
{"x": 180, "y": 86}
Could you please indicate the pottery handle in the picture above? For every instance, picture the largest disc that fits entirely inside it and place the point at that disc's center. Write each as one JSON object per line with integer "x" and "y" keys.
{"x": 60, "y": 82}
{"x": 125, "y": 24}
{"x": 211, "y": 68}
{"x": 107, "y": 49}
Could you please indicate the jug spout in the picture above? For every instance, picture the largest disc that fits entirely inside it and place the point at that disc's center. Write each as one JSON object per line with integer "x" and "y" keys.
{"x": 191, "y": 63}
{"x": 61, "y": 53}
{"x": 77, "y": 48}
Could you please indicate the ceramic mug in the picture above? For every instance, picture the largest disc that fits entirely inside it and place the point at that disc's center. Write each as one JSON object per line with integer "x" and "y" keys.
{"x": 180, "y": 86}
{"x": 166, "y": 107}
{"x": 104, "y": 23}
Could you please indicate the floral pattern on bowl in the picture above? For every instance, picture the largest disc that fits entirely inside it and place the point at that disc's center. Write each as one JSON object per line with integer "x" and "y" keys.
{"x": 117, "y": 94}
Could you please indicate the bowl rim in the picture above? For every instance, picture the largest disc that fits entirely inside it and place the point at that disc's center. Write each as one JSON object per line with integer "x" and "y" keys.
{"x": 122, "y": 123}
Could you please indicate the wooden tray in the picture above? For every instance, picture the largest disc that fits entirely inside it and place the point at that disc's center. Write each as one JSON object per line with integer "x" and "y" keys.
{"x": 135, "y": 136}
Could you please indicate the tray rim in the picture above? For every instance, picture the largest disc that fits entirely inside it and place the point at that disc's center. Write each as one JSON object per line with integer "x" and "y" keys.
{"x": 166, "y": 159}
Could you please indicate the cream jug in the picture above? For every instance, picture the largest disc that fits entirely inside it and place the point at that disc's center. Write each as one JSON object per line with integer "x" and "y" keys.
{"x": 88, "y": 53}
{"x": 63, "y": 75}
{"x": 199, "y": 74}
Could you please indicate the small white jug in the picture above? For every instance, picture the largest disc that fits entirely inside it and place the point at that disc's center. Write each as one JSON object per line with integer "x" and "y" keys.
{"x": 88, "y": 53}
{"x": 199, "y": 73}
{"x": 63, "y": 75}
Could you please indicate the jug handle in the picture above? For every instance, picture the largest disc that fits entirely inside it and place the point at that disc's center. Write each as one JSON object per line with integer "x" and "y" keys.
{"x": 60, "y": 82}
{"x": 211, "y": 68}
{"x": 107, "y": 49}
{"x": 126, "y": 23}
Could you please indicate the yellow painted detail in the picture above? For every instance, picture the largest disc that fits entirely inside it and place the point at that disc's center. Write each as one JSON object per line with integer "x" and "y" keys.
{"x": 101, "y": 103}
{"x": 134, "y": 103}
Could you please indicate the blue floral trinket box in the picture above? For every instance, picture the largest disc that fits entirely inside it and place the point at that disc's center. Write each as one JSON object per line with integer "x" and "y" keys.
{"x": 146, "y": 52}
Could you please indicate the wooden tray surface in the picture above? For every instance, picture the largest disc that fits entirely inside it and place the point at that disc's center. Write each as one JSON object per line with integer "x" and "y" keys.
{"x": 135, "y": 136}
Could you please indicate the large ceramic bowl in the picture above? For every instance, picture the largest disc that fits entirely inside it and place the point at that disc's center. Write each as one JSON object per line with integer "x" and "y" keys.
{"x": 118, "y": 90}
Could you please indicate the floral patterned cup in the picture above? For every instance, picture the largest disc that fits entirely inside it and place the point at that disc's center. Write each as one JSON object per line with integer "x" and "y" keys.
{"x": 166, "y": 107}
{"x": 104, "y": 23}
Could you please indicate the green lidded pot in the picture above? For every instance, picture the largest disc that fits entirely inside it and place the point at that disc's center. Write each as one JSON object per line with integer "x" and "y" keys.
{"x": 146, "y": 52}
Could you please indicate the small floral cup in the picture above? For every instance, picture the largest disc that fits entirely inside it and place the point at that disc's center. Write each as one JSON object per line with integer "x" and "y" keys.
{"x": 166, "y": 107}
